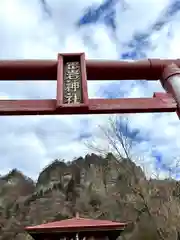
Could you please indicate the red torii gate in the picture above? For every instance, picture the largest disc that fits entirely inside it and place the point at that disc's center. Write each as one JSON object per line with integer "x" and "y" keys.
{"x": 71, "y": 71}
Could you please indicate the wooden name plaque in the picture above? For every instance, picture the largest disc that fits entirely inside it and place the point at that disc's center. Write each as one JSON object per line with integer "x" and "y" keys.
{"x": 72, "y": 81}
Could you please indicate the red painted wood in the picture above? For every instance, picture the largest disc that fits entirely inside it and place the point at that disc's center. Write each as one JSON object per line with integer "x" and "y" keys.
{"x": 84, "y": 80}
{"x": 170, "y": 81}
{"x": 150, "y": 69}
{"x": 131, "y": 105}
{"x": 28, "y": 70}
{"x": 59, "y": 89}
{"x": 75, "y": 224}
{"x": 163, "y": 95}
{"x": 27, "y": 107}
{"x": 96, "y": 106}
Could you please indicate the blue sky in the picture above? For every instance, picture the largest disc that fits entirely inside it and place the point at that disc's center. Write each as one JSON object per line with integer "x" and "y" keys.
{"x": 111, "y": 29}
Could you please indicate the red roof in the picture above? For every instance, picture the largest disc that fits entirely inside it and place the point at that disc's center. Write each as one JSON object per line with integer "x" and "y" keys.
{"x": 77, "y": 224}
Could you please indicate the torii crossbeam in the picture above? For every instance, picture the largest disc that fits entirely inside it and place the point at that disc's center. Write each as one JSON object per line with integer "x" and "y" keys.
{"x": 71, "y": 71}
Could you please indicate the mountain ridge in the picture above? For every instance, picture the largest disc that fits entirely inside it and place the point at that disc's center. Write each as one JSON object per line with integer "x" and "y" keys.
{"x": 95, "y": 186}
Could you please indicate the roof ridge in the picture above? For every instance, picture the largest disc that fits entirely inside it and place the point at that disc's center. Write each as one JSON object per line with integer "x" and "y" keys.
{"x": 79, "y": 223}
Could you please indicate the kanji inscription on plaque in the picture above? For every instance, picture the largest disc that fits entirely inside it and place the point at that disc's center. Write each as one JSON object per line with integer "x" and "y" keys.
{"x": 72, "y": 84}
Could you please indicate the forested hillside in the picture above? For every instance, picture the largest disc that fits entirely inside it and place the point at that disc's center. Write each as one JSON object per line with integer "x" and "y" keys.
{"x": 97, "y": 187}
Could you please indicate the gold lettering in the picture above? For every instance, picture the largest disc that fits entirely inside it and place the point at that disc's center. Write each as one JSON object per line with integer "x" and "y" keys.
{"x": 75, "y": 86}
{"x": 72, "y": 86}
{"x": 68, "y": 98}
{"x": 76, "y": 100}
{"x": 72, "y": 83}
{"x": 68, "y": 87}
{"x": 74, "y": 71}
{"x": 72, "y": 65}
{"x": 72, "y": 98}
{"x": 71, "y": 76}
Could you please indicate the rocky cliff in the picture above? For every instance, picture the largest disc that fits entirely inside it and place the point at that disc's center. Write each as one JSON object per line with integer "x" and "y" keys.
{"x": 96, "y": 187}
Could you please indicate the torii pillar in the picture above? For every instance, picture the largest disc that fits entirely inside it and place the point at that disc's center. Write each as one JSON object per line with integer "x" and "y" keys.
{"x": 170, "y": 81}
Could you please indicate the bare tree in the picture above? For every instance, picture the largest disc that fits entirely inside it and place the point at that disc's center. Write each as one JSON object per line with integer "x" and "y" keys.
{"x": 118, "y": 139}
